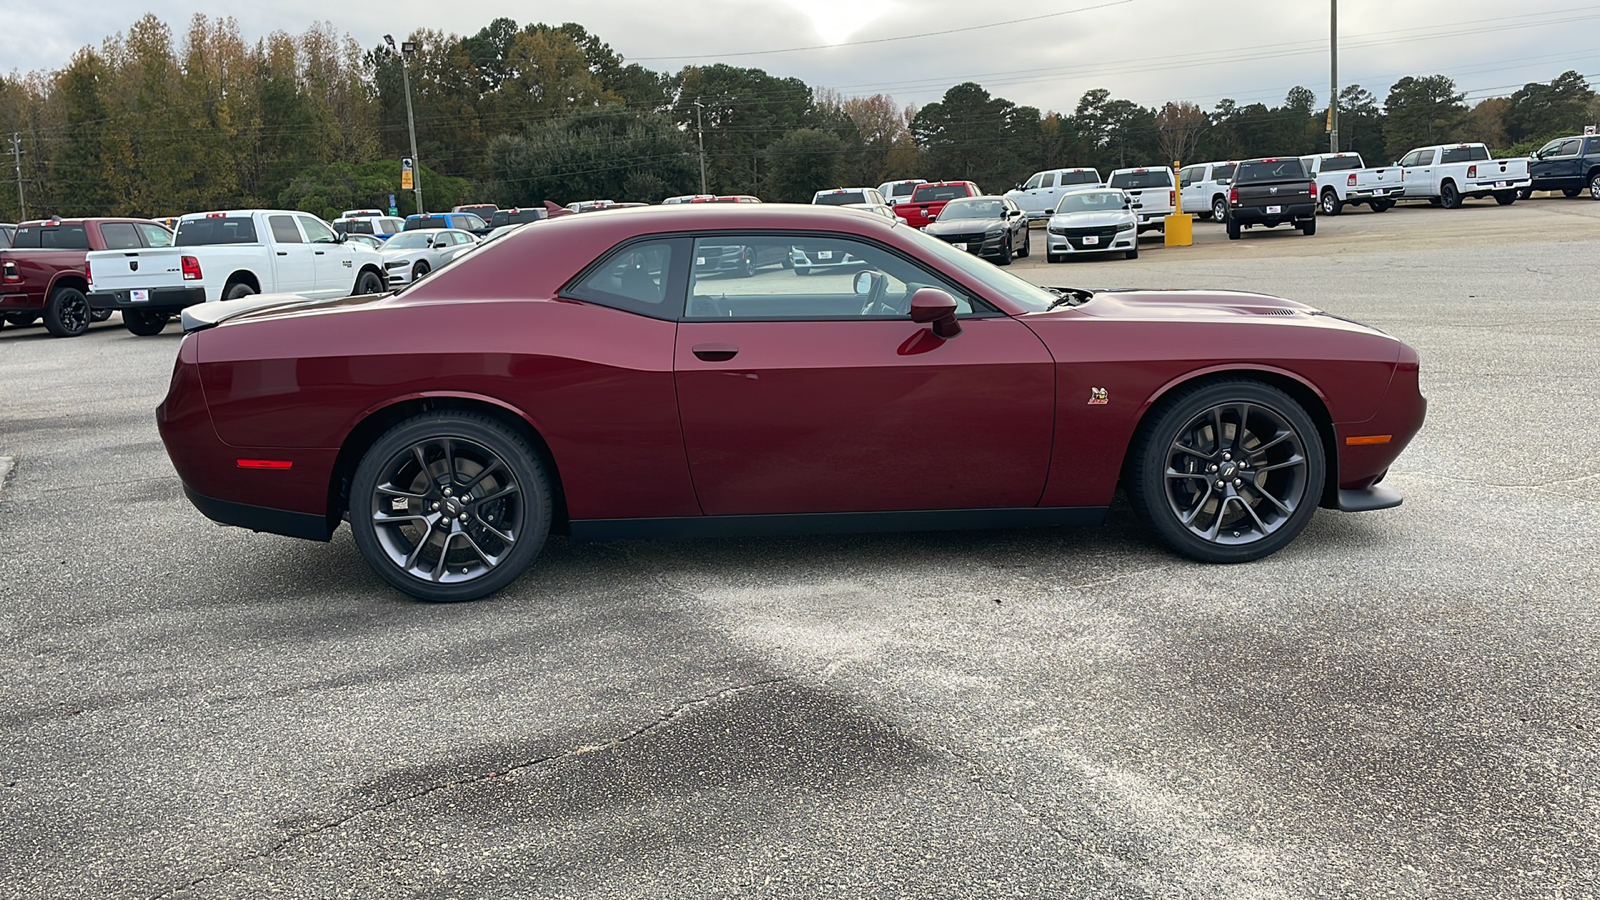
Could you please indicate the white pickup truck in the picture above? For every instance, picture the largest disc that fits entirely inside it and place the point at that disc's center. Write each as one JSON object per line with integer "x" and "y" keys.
{"x": 1446, "y": 174}
{"x": 1154, "y": 193}
{"x": 228, "y": 255}
{"x": 1343, "y": 179}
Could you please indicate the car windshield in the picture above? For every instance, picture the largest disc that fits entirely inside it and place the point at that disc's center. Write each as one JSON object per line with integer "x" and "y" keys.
{"x": 1139, "y": 180}
{"x": 410, "y": 240}
{"x": 972, "y": 209}
{"x": 1092, "y": 201}
{"x": 1340, "y": 163}
{"x": 1028, "y": 296}
{"x": 840, "y": 198}
{"x": 210, "y": 230}
{"x": 1270, "y": 170}
{"x": 933, "y": 193}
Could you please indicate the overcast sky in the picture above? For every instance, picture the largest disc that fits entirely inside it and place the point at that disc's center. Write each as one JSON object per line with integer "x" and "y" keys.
{"x": 1148, "y": 51}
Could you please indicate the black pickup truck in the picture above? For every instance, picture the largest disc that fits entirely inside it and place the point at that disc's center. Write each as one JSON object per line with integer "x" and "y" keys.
{"x": 1272, "y": 192}
{"x": 1569, "y": 165}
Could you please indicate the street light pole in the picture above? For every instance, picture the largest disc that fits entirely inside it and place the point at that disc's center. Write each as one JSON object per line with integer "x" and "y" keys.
{"x": 700, "y": 133}
{"x": 16, "y": 150}
{"x": 411, "y": 121}
{"x": 1333, "y": 98}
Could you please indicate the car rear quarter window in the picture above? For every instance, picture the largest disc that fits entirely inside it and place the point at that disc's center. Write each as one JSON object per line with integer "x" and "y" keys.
{"x": 119, "y": 236}
{"x": 67, "y": 236}
{"x": 644, "y": 277}
{"x": 211, "y": 230}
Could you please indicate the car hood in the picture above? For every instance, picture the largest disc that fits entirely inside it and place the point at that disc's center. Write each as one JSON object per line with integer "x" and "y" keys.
{"x": 1091, "y": 219}
{"x": 1205, "y": 306}
{"x": 963, "y": 226}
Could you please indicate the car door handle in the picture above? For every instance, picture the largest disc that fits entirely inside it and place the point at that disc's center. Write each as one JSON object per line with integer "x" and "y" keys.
{"x": 716, "y": 352}
{"x": 320, "y": 252}
{"x": 283, "y": 253}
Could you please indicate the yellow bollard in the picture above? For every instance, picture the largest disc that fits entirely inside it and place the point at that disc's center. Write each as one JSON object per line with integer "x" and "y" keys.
{"x": 1177, "y": 229}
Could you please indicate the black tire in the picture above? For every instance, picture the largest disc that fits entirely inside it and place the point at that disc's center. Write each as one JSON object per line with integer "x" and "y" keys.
{"x": 802, "y": 271}
{"x": 1234, "y": 230}
{"x": 369, "y": 282}
{"x": 237, "y": 290}
{"x": 21, "y": 319}
{"x": 747, "y": 267}
{"x": 1379, "y": 206}
{"x": 1594, "y": 186}
{"x": 1219, "y": 208}
{"x": 1004, "y": 259}
{"x": 1134, "y": 253}
{"x": 99, "y": 315}
{"x": 1505, "y": 198}
{"x": 143, "y": 322}
{"x": 1524, "y": 193}
{"x": 1331, "y": 204}
{"x": 1027, "y": 245}
{"x": 1186, "y": 441}
{"x": 389, "y": 480}
{"x": 67, "y": 312}
{"x": 419, "y": 270}
{"x": 1569, "y": 193}
{"x": 1309, "y": 226}
{"x": 1449, "y": 195}
{"x": 1054, "y": 257}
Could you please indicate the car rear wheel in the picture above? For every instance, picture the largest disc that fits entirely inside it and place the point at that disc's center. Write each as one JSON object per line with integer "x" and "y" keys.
{"x": 143, "y": 322}
{"x": 1234, "y": 231}
{"x": 450, "y": 506}
{"x": 1571, "y": 192}
{"x": 1219, "y": 208}
{"x": 1382, "y": 205}
{"x": 99, "y": 315}
{"x": 67, "y": 313}
{"x": 1229, "y": 471}
{"x": 1331, "y": 204}
{"x": 1027, "y": 245}
{"x": 237, "y": 290}
{"x": 1309, "y": 226}
{"x": 1449, "y": 195}
{"x": 1505, "y": 198}
{"x": 747, "y": 263}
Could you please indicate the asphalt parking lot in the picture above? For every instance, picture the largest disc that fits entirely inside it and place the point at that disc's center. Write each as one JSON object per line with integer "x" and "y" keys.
{"x": 1401, "y": 704}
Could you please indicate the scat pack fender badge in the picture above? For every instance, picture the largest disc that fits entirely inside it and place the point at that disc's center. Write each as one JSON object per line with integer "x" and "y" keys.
{"x": 1098, "y": 397}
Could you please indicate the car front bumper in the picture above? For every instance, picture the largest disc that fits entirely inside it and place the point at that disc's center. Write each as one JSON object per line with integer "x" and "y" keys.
{"x": 1118, "y": 242}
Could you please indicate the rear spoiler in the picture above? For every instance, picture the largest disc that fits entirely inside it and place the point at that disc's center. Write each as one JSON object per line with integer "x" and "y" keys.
{"x": 205, "y": 315}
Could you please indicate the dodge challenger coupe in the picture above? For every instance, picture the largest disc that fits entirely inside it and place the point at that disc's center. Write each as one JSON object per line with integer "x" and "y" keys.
{"x": 588, "y": 377}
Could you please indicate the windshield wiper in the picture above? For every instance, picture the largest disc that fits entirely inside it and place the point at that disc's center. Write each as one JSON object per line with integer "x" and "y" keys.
{"x": 1068, "y": 297}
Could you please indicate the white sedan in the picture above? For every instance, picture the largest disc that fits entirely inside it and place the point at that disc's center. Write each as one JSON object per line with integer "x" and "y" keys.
{"x": 1092, "y": 221}
{"x": 412, "y": 254}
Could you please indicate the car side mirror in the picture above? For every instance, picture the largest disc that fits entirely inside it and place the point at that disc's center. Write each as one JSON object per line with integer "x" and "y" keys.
{"x": 932, "y": 306}
{"x": 932, "y": 216}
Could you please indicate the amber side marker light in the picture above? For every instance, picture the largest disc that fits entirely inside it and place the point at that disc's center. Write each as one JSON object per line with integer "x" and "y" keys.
{"x": 265, "y": 464}
{"x": 1365, "y": 439}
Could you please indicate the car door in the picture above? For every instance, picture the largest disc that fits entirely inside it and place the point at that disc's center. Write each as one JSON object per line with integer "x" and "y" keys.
{"x": 1566, "y": 164}
{"x": 334, "y": 261}
{"x": 1190, "y": 187}
{"x": 293, "y": 265}
{"x": 801, "y": 395}
{"x": 1419, "y": 173}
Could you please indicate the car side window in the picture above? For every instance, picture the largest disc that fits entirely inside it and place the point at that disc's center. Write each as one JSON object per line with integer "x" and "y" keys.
{"x": 119, "y": 236}
{"x": 805, "y": 277}
{"x": 154, "y": 235}
{"x": 284, "y": 230}
{"x": 1048, "y": 180}
{"x": 1033, "y": 183}
{"x": 1570, "y": 147}
{"x": 644, "y": 277}
{"x": 316, "y": 232}
{"x": 1411, "y": 159}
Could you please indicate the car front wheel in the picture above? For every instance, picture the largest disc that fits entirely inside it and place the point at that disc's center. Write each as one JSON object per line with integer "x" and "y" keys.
{"x": 1594, "y": 187}
{"x": 450, "y": 506}
{"x": 1226, "y": 472}
{"x": 370, "y": 282}
{"x": 143, "y": 322}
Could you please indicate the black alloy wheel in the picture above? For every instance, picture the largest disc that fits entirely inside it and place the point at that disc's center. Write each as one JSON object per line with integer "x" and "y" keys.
{"x": 747, "y": 263}
{"x": 369, "y": 282}
{"x": 1229, "y": 471}
{"x": 67, "y": 314}
{"x": 1449, "y": 195}
{"x": 143, "y": 322}
{"x": 450, "y": 506}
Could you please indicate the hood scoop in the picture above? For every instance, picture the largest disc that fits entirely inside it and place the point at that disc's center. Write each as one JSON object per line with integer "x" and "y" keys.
{"x": 1138, "y": 304}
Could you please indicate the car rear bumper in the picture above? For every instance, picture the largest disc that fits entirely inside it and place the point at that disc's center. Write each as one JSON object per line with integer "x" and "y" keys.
{"x": 1355, "y": 195}
{"x": 160, "y": 300}
{"x": 1369, "y": 500}
{"x": 1257, "y": 215}
{"x": 20, "y": 302}
{"x": 308, "y": 526}
{"x": 1492, "y": 186}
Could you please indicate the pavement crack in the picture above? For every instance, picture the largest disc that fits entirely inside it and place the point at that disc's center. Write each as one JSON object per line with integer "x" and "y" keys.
{"x": 677, "y": 712}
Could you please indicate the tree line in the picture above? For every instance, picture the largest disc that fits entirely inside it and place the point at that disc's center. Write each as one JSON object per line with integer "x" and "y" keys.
{"x": 153, "y": 123}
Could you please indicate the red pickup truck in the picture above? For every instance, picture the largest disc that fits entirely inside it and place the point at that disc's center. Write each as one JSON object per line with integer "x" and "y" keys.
{"x": 43, "y": 273}
{"x": 928, "y": 200}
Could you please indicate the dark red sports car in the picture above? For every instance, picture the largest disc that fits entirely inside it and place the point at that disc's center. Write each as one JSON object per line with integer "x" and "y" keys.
{"x": 592, "y": 376}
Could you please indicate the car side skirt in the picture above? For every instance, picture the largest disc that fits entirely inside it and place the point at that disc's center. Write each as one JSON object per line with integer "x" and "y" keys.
{"x": 833, "y": 523}
{"x": 309, "y": 526}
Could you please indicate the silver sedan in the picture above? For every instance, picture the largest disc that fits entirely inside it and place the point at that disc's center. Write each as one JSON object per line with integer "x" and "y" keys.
{"x": 412, "y": 254}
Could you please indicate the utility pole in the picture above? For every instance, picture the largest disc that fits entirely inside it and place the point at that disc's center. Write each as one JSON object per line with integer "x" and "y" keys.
{"x": 1333, "y": 97}
{"x": 700, "y": 133}
{"x": 411, "y": 122}
{"x": 16, "y": 151}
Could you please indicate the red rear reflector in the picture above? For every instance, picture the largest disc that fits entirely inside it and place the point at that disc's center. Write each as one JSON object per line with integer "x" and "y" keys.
{"x": 191, "y": 269}
{"x": 266, "y": 464}
{"x": 1366, "y": 439}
